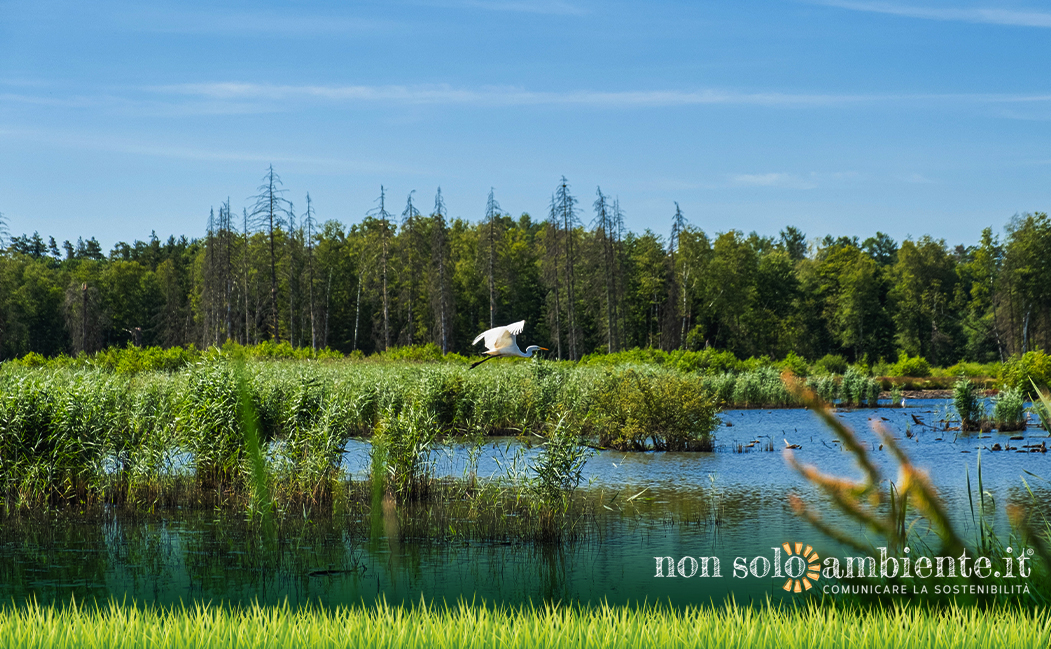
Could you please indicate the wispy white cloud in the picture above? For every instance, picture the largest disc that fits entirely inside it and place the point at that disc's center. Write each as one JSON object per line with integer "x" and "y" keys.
{"x": 516, "y": 96}
{"x": 179, "y": 20}
{"x": 497, "y": 95}
{"x": 986, "y": 15}
{"x": 183, "y": 18}
{"x": 551, "y": 7}
{"x": 159, "y": 149}
{"x": 776, "y": 179}
{"x": 235, "y": 98}
{"x": 787, "y": 180}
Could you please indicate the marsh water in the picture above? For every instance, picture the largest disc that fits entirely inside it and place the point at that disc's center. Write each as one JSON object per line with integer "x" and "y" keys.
{"x": 724, "y": 504}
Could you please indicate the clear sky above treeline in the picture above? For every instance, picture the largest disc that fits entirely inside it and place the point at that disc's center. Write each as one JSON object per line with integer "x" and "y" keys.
{"x": 837, "y": 116}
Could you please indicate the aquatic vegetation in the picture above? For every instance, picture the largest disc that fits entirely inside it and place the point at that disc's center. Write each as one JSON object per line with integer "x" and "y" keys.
{"x": 557, "y": 468}
{"x": 548, "y": 625}
{"x": 1009, "y": 410}
{"x": 84, "y": 434}
{"x": 968, "y": 406}
{"x": 857, "y": 389}
{"x": 657, "y": 410}
{"x": 405, "y": 440}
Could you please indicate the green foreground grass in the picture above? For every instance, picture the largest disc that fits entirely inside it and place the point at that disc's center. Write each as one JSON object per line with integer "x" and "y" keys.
{"x": 550, "y": 626}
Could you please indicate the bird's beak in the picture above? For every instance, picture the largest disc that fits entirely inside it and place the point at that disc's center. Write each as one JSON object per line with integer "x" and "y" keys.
{"x": 545, "y": 349}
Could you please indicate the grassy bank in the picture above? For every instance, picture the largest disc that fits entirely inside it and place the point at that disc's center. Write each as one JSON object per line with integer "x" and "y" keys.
{"x": 552, "y": 626}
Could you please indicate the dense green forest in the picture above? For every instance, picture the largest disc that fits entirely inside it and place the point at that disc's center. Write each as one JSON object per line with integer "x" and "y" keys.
{"x": 414, "y": 274}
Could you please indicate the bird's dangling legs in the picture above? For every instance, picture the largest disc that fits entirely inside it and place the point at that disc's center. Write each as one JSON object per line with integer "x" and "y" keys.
{"x": 474, "y": 365}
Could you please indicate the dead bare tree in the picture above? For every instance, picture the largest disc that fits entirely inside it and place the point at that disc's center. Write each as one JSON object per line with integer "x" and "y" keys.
{"x": 309, "y": 225}
{"x": 413, "y": 247}
{"x": 85, "y": 318}
{"x": 293, "y": 273}
{"x": 601, "y": 226}
{"x": 384, "y": 217}
{"x": 565, "y": 206}
{"x": 680, "y": 273}
{"x": 618, "y": 257}
{"x": 442, "y": 294}
{"x": 271, "y": 212}
{"x": 492, "y": 210}
{"x": 551, "y": 272}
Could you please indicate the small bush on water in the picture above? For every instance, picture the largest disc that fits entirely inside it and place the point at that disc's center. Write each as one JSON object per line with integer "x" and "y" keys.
{"x": 1009, "y": 410}
{"x": 663, "y": 412}
{"x": 968, "y": 405}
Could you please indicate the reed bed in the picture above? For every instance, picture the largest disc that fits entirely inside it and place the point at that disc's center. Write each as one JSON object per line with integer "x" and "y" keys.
{"x": 82, "y": 434}
{"x": 125, "y": 627}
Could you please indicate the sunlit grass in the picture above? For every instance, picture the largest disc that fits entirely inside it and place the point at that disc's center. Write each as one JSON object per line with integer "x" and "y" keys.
{"x": 527, "y": 627}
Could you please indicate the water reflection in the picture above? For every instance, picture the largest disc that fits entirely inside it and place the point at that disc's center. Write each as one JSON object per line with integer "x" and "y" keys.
{"x": 646, "y": 505}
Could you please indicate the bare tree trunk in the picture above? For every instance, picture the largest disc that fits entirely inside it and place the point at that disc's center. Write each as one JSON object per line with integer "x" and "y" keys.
{"x": 602, "y": 232}
{"x": 385, "y": 217}
{"x": 84, "y": 317}
{"x": 439, "y": 251}
{"x": 328, "y": 294}
{"x": 247, "y": 338}
{"x": 273, "y": 209}
{"x": 310, "y": 273}
{"x": 552, "y": 235}
{"x": 410, "y": 235}
{"x": 357, "y": 308}
{"x": 274, "y": 332}
{"x": 567, "y": 213}
{"x": 292, "y": 276}
{"x": 491, "y": 210}
{"x": 386, "y": 300}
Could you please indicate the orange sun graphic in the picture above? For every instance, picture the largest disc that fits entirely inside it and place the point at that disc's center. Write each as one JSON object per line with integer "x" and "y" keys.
{"x": 800, "y": 582}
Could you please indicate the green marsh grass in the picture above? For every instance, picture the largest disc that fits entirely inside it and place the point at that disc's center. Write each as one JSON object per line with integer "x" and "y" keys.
{"x": 82, "y": 434}
{"x": 477, "y": 626}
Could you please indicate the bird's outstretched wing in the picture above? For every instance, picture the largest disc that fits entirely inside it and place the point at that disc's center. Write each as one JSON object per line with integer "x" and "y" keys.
{"x": 500, "y": 337}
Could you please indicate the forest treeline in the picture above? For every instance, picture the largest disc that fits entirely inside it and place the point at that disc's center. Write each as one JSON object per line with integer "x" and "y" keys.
{"x": 413, "y": 274}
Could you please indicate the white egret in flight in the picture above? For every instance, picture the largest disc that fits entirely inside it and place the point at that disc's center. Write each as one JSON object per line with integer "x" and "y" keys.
{"x": 503, "y": 341}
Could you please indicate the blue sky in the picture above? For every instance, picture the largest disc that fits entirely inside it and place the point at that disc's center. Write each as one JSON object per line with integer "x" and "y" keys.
{"x": 837, "y": 116}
